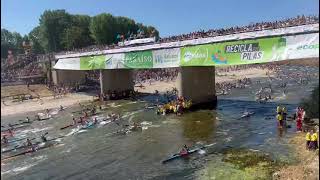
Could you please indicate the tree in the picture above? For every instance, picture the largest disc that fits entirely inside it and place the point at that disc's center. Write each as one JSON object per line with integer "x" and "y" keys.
{"x": 72, "y": 38}
{"x": 102, "y": 29}
{"x": 311, "y": 105}
{"x": 35, "y": 37}
{"x": 10, "y": 41}
{"x": 53, "y": 25}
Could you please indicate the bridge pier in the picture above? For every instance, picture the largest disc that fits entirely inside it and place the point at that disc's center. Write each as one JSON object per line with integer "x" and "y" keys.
{"x": 68, "y": 76}
{"x": 116, "y": 79}
{"x": 198, "y": 84}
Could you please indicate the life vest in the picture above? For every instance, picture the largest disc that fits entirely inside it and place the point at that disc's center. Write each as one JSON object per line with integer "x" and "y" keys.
{"x": 314, "y": 137}
{"x": 279, "y": 117}
{"x": 308, "y": 137}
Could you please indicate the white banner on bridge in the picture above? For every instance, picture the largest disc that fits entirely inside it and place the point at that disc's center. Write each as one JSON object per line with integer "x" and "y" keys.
{"x": 114, "y": 61}
{"x": 68, "y": 64}
{"x": 302, "y": 46}
{"x": 166, "y": 58}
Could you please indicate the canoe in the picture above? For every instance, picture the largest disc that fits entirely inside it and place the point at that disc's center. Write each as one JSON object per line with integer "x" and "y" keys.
{"x": 178, "y": 155}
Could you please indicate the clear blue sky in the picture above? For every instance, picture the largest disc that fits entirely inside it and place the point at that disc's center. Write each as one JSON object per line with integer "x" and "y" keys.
{"x": 170, "y": 17}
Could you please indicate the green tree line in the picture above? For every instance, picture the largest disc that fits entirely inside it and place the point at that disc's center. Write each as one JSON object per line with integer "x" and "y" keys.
{"x": 311, "y": 104}
{"x": 58, "y": 31}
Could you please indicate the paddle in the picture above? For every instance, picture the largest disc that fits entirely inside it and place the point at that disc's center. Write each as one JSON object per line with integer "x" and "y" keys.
{"x": 66, "y": 126}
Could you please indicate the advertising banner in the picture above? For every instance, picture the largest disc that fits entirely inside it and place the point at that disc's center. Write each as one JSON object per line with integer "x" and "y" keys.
{"x": 68, "y": 64}
{"x": 214, "y": 54}
{"x": 251, "y": 51}
{"x": 92, "y": 62}
{"x": 301, "y": 46}
{"x": 166, "y": 58}
{"x": 114, "y": 61}
{"x": 139, "y": 59}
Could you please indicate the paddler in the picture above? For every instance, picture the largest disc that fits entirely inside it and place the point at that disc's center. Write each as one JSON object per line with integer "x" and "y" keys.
{"x": 184, "y": 150}
{"x": 95, "y": 121}
{"x": 47, "y": 111}
{"x": 29, "y": 143}
{"x": 11, "y": 131}
{"x": 61, "y": 108}
{"x": 93, "y": 110}
{"x": 82, "y": 121}
{"x": 43, "y": 137}
{"x": 5, "y": 140}
{"x": 27, "y": 120}
{"x": 74, "y": 121}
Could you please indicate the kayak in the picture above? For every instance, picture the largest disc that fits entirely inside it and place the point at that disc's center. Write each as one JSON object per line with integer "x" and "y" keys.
{"x": 46, "y": 145}
{"x": 247, "y": 115}
{"x": 178, "y": 155}
{"x": 22, "y": 126}
{"x": 14, "y": 140}
{"x": 42, "y": 119}
{"x": 25, "y": 146}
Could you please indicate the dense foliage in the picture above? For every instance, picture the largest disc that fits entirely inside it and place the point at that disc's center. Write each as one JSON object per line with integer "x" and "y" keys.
{"x": 311, "y": 105}
{"x": 58, "y": 31}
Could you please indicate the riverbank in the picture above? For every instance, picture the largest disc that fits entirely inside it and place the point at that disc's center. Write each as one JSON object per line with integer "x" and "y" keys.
{"x": 163, "y": 86}
{"x": 43, "y": 103}
{"x": 308, "y": 162}
{"x": 47, "y": 101}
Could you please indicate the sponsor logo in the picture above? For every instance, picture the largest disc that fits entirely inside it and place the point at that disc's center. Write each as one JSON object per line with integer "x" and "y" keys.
{"x": 308, "y": 46}
{"x": 239, "y": 48}
{"x": 166, "y": 58}
{"x": 217, "y": 58}
{"x": 250, "y": 51}
{"x": 190, "y": 55}
{"x": 252, "y": 55}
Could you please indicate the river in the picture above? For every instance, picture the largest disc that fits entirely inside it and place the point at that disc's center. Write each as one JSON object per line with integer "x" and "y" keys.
{"x": 96, "y": 154}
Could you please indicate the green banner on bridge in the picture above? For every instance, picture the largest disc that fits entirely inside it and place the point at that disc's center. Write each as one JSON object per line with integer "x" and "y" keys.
{"x": 139, "y": 59}
{"x": 239, "y": 52}
{"x": 234, "y": 53}
{"x": 92, "y": 62}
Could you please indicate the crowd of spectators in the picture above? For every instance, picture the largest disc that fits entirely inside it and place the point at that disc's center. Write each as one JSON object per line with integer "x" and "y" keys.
{"x": 296, "y": 21}
{"x": 150, "y": 75}
{"x": 23, "y": 66}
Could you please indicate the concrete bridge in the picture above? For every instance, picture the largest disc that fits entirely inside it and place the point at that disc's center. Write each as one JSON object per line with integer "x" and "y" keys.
{"x": 197, "y": 59}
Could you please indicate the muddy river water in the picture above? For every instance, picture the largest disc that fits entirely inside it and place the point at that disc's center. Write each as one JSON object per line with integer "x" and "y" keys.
{"x": 97, "y": 154}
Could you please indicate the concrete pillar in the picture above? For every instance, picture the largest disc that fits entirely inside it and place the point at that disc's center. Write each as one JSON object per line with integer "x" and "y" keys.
{"x": 197, "y": 84}
{"x": 68, "y": 76}
{"x": 116, "y": 79}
